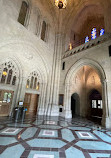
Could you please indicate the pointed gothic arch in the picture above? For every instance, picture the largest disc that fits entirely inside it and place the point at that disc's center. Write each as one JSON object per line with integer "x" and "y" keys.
{"x": 69, "y": 77}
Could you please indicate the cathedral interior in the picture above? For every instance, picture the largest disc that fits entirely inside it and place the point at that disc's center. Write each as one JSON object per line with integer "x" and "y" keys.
{"x": 55, "y": 79}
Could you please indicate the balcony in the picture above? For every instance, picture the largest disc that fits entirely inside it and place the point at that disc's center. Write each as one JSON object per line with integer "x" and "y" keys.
{"x": 81, "y": 46}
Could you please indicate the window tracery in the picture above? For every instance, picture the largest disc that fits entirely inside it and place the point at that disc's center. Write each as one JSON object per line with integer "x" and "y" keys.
{"x": 33, "y": 81}
{"x": 8, "y": 73}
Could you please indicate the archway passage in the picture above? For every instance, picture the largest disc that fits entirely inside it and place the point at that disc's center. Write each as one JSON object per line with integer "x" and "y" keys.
{"x": 96, "y": 106}
{"x": 75, "y": 104}
{"x": 83, "y": 79}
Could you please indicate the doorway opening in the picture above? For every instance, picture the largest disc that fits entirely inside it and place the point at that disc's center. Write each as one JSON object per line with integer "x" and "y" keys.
{"x": 31, "y": 103}
{"x": 6, "y": 97}
{"x": 96, "y": 106}
{"x": 75, "y": 104}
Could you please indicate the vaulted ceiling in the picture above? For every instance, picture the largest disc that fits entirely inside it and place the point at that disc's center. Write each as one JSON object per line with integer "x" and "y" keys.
{"x": 76, "y": 9}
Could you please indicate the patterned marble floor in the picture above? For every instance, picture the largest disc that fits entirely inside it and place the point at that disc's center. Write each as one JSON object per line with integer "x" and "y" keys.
{"x": 53, "y": 137}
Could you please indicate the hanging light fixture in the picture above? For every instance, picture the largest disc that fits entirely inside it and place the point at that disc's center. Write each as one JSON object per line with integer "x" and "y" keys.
{"x": 61, "y": 4}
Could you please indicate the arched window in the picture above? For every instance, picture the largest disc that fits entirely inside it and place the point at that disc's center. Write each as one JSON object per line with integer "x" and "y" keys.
{"x": 8, "y": 73}
{"x": 33, "y": 81}
{"x": 63, "y": 66}
{"x": 4, "y": 74}
{"x": 43, "y": 32}
{"x": 23, "y": 13}
{"x": 9, "y": 76}
{"x": 14, "y": 80}
{"x": 27, "y": 86}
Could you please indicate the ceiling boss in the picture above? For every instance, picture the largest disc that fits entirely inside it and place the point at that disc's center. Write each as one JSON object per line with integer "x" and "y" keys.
{"x": 61, "y": 4}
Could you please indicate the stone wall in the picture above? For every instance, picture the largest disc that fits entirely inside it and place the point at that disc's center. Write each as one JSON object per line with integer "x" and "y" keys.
{"x": 23, "y": 47}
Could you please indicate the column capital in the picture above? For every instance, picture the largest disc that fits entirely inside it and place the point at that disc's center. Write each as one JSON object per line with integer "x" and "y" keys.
{"x": 104, "y": 81}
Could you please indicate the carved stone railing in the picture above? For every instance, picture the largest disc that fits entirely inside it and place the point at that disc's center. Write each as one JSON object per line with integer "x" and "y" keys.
{"x": 87, "y": 45}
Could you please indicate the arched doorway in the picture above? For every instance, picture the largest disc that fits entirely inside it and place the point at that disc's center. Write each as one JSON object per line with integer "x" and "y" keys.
{"x": 93, "y": 77}
{"x": 75, "y": 104}
{"x": 96, "y": 105}
{"x": 31, "y": 99}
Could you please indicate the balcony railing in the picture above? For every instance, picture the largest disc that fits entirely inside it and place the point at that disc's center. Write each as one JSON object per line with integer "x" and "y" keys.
{"x": 77, "y": 43}
{"x": 82, "y": 41}
{"x": 81, "y": 46}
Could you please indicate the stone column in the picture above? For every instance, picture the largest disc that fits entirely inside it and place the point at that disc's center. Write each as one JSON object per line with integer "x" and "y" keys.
{"x": 15, "y": 98}
{"x": 22, "y": 89}
{"x": 67, "y": 102}
{"x": 41, "y": 105}
{"x": 106, "y": 95}
{"x": 53, "y": 107}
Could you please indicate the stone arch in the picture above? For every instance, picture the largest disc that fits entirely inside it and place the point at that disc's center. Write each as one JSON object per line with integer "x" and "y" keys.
{"x": 44, "y": 68}
{"x": 28, "y": 55}
{"x": 72, "y": 71}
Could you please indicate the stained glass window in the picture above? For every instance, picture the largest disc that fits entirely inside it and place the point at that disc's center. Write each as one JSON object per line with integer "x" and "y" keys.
{"x": 93, "y": 33}
{"x": 86, "y": 39}
{"x": 102, "y": 32}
